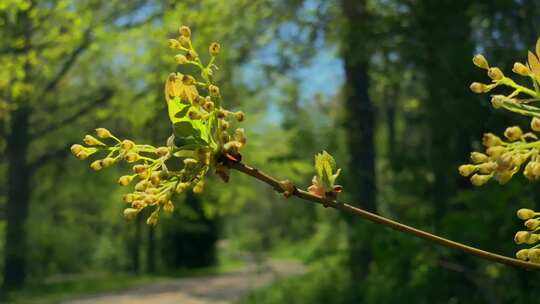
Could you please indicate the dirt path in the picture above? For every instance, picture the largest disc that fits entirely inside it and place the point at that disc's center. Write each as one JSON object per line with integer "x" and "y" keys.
{"x": 217, "y": 289}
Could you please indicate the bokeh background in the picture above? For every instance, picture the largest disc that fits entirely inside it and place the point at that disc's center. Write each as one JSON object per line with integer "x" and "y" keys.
{"x": 381, "y": 84}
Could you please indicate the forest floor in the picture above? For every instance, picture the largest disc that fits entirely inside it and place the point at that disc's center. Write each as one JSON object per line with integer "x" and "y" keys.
{"x": 226, "y": 287}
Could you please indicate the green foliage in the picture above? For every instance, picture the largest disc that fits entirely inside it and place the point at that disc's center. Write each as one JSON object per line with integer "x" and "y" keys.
{"x": 327, "y": 282}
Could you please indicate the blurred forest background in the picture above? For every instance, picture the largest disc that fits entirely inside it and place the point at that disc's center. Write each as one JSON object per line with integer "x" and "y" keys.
{"x": 382, "y": 84}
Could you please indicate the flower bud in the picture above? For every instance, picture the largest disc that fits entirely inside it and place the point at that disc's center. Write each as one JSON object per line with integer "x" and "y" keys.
{"x": 151, "y": 190}
{"x": 149, "y": 200}
{"x": 522, "y": 237}
{"x": 535, "y": 124}
{"x": 183, "y": 41}
{"x": 127, "y": 144}
{"x": 181, "y": 59}
{"x": 76, "y": 149}
{"x": 535, "y": 169}
{"x": 208, "y": 106}
{"x": 92, "y": 141}
{"x": 513, "y": 133}
{"x": 128, "y": 198}
{"x": 103, "y": 133}
{"x": 130, "y": 213}
{"x": 487, "y": 168}
{"x": 224, "y": 125}
{"x": 505, "y": 161}
{"x": 188, "y": 80}
{"x": 214, "y": 48}
{"x": 162, "y": 151}
{"x": 125, "y": 180}
{"x": 191, "y": 55}
{"x": 96, "y": 165}
{"x": 466, "y": 170}
{"x": 495, "y": 152}
{"x": 534, "y": 255}
{"x": 528, "y": 172}
{"x": 532, "y": 224}
{"x": 181, "y": 187}
{"x": 477, "y": 157}
{"x": 232, "y": 147}
{"x": 478, "y": 87}
{"x": 225, "y": 137}
{"x": 480, "y": 61}
{"x": 131, "y": 157}
{"x": 525, "y": 214}
{"x": 503, "y": 177}
{"x": 173, "y": 44}
{"x": 495, "y": 73}
{"x": 240, "y": 136}
{"x": 521, "y": 69}
{"x": 221, "y": 114}
{"x": 139, "y": 169}
{"x": 497, "y": 101}
{"x": 214, "y": 90}
{"x": 522, "y": 254}
{"x": 185, "y": 31}
{"x": 82, "y": 155}
{"x": 240, "y": 116}
{"x": 199, "y": 187}
{"x": 164, "y": 173}
{"x": 155, "y": 179}
{"x": 479, "y": 180}
{"x": 141, "y": 186}
{"x": 152, "y": 220}
{"x": 107, "y": 162}
{"x": 194, "y": 115}
{"x": 533, "y": 239}
{"x": 491, "y": 140}
{"x": 168, "y": 207}
{"x": 138, "y": 204}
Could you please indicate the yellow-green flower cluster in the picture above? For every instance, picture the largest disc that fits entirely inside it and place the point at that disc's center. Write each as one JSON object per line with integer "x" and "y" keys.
{"x": 529, "y": 236}
{"x": 184, "y": 90}
{"x": 201, "y": 139}
{"x": 503, "y": 158}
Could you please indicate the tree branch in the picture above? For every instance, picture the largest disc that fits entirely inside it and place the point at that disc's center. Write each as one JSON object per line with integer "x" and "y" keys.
{"x": 45, "y": 158}
{"x": 70, "y": 61}
{"x": 285, "y": 186}
{"x": 108, "y": 93}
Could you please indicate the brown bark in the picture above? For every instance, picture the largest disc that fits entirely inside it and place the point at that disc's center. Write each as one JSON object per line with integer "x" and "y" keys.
{"x": 17, "y": 200}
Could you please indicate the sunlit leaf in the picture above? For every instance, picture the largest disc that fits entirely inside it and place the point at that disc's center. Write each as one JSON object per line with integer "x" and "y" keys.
{"x": 325, "y": 166}
{"x": 534, "y": 64}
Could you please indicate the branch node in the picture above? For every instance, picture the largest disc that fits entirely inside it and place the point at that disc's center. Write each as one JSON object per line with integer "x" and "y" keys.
{"x": 287, "y": 187}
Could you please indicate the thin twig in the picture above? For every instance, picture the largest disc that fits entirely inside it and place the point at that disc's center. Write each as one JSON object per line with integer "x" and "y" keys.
{"x": 283, "y": 186}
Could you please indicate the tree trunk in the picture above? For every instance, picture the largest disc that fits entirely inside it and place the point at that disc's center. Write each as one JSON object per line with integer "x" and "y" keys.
{"x": 151, "y": 250}
{"x": 136, "y": 245}
{"x": 18, "y": 199}
{"x": 359, "y": 124}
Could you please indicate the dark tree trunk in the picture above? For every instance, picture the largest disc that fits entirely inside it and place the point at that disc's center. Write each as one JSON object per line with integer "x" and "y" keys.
{"x": 359, "y": 124}
{"x": 136, "y": 245}
{"x": 151, "y": 250}
{"x": 18, "y": 199}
